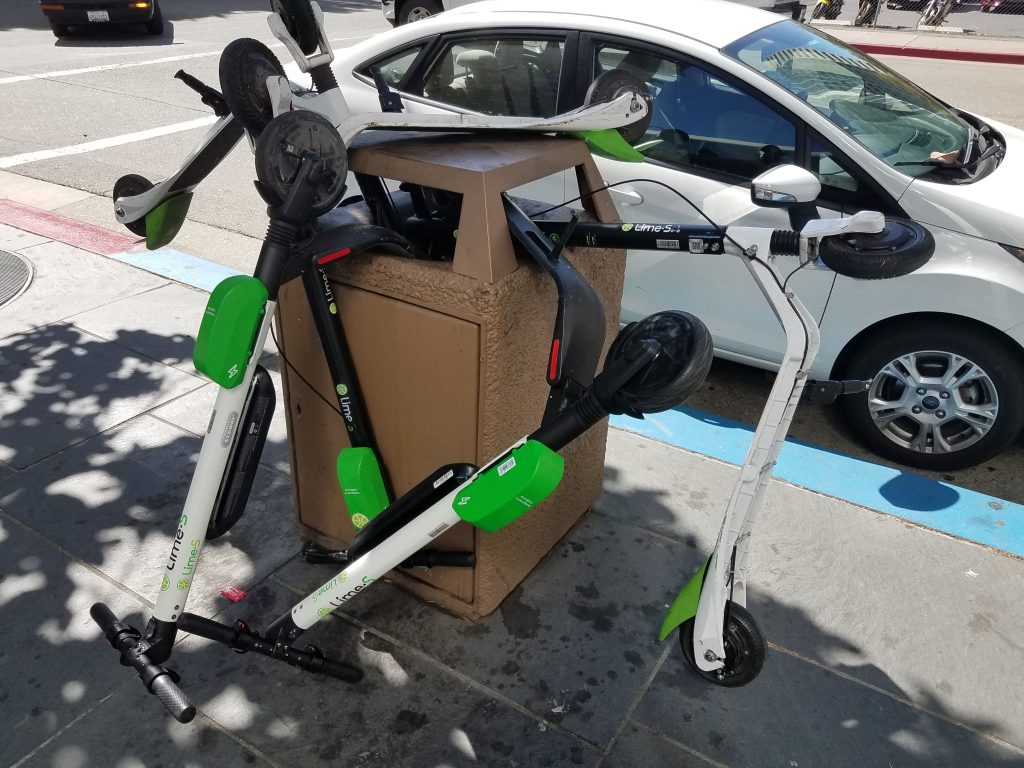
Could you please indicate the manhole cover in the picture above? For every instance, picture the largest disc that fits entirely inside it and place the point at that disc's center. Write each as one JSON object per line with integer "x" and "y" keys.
{"x": 15, "y": 276}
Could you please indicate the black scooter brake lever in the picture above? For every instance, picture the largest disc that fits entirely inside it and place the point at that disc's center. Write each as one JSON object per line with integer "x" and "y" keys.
{"x": 209, "y": 96}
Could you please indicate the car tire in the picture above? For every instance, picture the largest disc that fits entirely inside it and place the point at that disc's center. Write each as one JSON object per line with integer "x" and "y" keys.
{"x": 416, "y": 10}
{"x": 60, "y": 30}
{"x": 155, "y": 26}
{"x": 904, "y": 416}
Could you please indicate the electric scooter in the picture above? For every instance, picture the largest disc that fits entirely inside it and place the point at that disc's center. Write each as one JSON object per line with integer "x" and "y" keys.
{"x": 255, "y": 89}
{"x": 300, "y": 159}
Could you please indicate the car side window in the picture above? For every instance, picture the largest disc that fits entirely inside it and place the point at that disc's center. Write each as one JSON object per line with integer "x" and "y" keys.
{"x": 498, "y": 75}
{"x": 840, "y": 185}
{"x": 395, "y": 66}
{"x": 699, "y": 120}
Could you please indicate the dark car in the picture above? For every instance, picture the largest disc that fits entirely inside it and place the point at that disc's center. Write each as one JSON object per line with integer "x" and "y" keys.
{"x": 70, "y": 13}
{"x": 1003, "y": 6}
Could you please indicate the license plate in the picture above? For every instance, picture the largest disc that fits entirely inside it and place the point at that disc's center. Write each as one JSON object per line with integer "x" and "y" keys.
{"x": 98, "y": 15}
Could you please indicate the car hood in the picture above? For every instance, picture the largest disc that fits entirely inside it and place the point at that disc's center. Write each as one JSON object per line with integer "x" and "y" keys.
{"x": 989, "y": 208}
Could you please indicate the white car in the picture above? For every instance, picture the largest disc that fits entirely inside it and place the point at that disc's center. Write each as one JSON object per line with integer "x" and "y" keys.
{"x": 735, "y": 92}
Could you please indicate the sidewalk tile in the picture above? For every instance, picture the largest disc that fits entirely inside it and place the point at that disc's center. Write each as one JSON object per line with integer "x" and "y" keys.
{"x": 161, "y": 324}
{"x": 40, "y": 194}
{"x": 859, "y": 591}
{"x": 59, "y": 385}
{"x": 574, "y": 643}
{"x": 13, "y": 239}
{"x": 132, "y": 730}
{"x": 53, "y": 663}
{"x": 796, "y": 713}
{"x": 114, "y": 501}
{"x": 405, "y": 712}
{"x": 68, "y": 281}
{"x": 639, "y": 748}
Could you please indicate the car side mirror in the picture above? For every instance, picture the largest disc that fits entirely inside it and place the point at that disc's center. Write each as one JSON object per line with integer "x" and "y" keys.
{"x": 784, "y": 186}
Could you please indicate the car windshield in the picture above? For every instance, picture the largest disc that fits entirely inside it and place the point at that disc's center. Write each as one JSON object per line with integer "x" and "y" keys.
{"x": 892, "y": 117}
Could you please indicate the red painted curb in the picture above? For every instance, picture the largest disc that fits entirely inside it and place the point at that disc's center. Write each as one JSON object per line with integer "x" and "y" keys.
{"x": 939, "y": 53}
{"x": 64, "y": 229}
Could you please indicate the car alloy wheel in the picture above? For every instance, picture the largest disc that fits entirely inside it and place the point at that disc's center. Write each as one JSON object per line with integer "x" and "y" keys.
{"x": 417, "y": 10}
{"x": 943, "y": 395}
{"x": 933, "y": 402}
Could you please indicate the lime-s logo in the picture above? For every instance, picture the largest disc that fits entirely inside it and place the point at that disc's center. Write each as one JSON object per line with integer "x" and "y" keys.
{"x": 182, "y": 584}
{"x": 627, "y": 227}
{"x": 323, "y": 611}
{"x": 342, "y": 390}
{"x": 165, "y": 583}
{"x": 359, "y": 520}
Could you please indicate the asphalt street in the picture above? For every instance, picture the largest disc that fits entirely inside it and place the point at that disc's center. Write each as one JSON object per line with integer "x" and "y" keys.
{"x": 83, "y": 111}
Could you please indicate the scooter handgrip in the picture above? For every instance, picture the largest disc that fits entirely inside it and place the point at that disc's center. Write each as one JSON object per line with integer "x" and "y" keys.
{"x": 173, "y": 698}
{"x": 341, "y": 671}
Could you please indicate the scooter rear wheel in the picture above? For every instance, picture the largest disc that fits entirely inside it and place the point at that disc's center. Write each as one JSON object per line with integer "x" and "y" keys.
{"x": 129, "y": 186}
{"x": 745, "y": 649}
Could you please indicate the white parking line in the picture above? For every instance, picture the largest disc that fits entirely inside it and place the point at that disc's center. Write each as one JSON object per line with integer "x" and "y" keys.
{"x": 127, "y": 64}
{"x": 114, "y": 141}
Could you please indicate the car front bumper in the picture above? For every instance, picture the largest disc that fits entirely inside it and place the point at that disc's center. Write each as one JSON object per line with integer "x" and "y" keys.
{"x": 125, "y": 12}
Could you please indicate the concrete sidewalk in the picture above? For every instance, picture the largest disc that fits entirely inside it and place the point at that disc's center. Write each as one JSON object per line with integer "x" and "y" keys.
{"x": 892, "y": 645}
{"x": 929, "y": 45}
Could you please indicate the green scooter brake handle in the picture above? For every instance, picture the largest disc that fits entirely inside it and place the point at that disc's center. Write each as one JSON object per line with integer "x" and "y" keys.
{"x": 684, "y": 607}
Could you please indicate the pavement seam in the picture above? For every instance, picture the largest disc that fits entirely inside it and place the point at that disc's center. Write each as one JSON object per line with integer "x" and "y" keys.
{"x": 69, "y": 725}
{"x": 628, "y": 717}
{"x": 460, "y": 676}
{"x": 679, "y": 744}
{"x": 913, "y": 705}
{"x": 75, "y": 559}
{"x": 781, "y": 481}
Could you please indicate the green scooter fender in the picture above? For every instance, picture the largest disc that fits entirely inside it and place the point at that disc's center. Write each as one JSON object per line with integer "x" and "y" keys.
{"x": 684, "y": 607}
{"x": 609, "y": 143}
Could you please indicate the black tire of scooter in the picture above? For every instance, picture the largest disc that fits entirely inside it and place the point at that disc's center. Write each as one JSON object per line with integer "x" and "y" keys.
{"x": 128, "y": 186}
{"x": 745, "y": 649}
{"x": 301, "y": 23}
{"x": 245, "y": 66}
{"x": 901, "y": 248}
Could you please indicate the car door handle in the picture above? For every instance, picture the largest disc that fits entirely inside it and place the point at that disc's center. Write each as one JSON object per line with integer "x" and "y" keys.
{"x": 626, "y": 194}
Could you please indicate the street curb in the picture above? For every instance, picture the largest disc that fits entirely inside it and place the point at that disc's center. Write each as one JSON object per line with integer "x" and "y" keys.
{"x": 987, "y": 57}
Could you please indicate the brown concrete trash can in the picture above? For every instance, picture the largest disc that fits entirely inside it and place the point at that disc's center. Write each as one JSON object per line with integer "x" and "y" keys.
{"x": 451, "y": 366}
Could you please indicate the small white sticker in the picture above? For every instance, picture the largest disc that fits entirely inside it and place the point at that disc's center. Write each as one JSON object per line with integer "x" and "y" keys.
{"x": 446, "y": 476}
{"x": 673, "y": 244}
{"x": 696, "y": 245}
{"x": 505, "y": 466}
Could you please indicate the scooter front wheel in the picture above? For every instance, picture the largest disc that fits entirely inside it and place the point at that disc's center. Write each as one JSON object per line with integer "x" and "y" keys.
{"x": 745, "y": 649}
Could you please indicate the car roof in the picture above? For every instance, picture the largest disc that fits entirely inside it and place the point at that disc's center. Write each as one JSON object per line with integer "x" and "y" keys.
{"x": 715, "y": 22}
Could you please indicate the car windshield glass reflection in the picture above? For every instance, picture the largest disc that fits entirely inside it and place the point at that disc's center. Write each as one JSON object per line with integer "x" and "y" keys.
{"x": 889, "y": 115}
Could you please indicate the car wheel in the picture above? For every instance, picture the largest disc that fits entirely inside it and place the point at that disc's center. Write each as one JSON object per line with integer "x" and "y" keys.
{"x": 942, "y": 396}
{"x": 417, "y": 10}
{"x": 155, "y": 26}
{"x": 59, "y": 30}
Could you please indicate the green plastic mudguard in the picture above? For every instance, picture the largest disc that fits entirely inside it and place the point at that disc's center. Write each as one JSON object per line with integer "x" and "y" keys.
{"x": 508, "y": 488}
{"x": 684, "y": 607}
{"x": 164, "y": 221}
{"x": 609, "y": 143}
{"x": 361, "y": 484}
{"x": 227, "y": 335}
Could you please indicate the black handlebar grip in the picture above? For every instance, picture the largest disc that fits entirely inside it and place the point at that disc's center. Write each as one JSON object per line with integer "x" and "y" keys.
{"x": 173, "y": 698}
{"x": 341, "y": 671}
{"x": 103, "y": 616}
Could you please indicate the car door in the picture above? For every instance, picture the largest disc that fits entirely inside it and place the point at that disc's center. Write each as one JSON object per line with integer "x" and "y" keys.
{"x": 511, "y": 72}
{"x": 708, "y": 137}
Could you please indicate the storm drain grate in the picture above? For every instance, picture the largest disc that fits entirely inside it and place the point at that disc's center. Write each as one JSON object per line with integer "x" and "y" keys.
{"x": 15, "y": 276}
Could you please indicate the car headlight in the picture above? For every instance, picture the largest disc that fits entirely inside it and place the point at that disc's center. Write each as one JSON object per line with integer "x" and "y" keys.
{"x": 1014, "y": 251}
